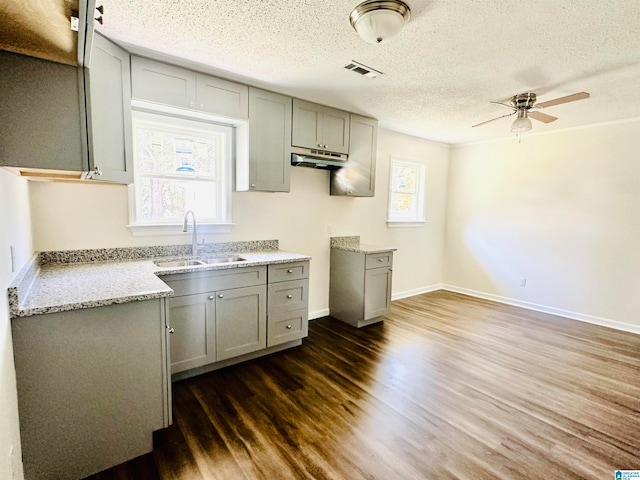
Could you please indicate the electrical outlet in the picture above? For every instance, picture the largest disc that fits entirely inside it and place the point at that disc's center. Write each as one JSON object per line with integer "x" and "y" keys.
{"x": 523, "y": 281}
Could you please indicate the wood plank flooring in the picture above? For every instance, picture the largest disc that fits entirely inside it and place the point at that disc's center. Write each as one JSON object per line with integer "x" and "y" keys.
{"x": 447, "y": 387}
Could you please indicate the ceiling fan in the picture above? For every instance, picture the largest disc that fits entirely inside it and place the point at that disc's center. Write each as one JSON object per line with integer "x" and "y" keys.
{"x": 523, "y": 103}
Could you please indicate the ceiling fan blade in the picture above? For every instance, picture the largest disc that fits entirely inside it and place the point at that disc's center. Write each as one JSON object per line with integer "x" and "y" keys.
{"x": 558, "y": 101}
{"x": 493, "y": 119}
{"x": 541, "y": 117}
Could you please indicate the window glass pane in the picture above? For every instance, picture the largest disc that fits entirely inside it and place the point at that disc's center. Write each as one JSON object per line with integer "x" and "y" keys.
{"x": 166, "y": 200}
{"x": 162, "y": 150}
{"x": 402, "y": 205}
{"x": 404, "y": 179}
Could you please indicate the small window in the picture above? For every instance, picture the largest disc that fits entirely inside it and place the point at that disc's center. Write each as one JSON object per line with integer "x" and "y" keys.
{"x": 406, "y": 193}
{"x": 179, "y": 165}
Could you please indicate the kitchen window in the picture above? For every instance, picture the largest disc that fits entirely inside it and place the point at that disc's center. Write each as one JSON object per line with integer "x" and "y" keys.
{"x": 406, "y": 193}
{"x": 179, "y": 164}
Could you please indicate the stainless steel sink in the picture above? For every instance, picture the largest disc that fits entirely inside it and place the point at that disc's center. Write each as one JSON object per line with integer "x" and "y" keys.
{"x": 222, "y": 259}
{"x": 180, "y": 263}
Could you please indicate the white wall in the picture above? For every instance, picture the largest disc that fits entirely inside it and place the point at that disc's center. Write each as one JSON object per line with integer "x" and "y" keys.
{"x": 75, "y": 216}
{"x": 15, "y": 230}
{"x": 562, "y": 210}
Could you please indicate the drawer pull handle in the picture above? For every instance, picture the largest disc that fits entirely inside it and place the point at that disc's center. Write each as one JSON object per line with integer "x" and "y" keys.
{"x": 171, "y": 329}
{"x": 289, "y": 296}
{"x": 288, "y": 327}
{"x": 289, "y": 271}
{"x": 220, "y": 296}
{"x": 211, "y": 297}
{"x": 380, "y": 260}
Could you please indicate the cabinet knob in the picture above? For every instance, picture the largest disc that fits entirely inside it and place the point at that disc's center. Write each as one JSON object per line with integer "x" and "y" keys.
{"x": 288, "y": 327}
{"x": 171, "y": 329}
{"x": 289, "y": 271}
{"x": 201, "y": 106}
{"x": 211, "y": 297}
{"x": 349, "y": 192}
{"x": 253, "y": 185}
{"x": 380, "y": 260}
{"x": 220, "y": 295}
{"x": 97, "y": 170}
{"x": 192, "y": 104}
{"x": 289, "y": 296}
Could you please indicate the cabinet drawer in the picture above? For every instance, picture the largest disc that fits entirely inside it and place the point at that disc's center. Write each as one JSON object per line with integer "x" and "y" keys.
{"x": 212, "y": 280}
{"x": 288, "y": 326}
{"x": 288, "y": 296}
{"x": 281, "y": 272}
{"x": 376, "y": 260}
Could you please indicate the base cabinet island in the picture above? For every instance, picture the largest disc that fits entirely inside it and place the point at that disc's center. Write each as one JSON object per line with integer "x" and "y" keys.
{"x": 97, "y": 335}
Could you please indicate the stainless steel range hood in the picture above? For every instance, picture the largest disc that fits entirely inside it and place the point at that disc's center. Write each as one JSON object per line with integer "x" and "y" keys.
{"x": 309, "y": 157}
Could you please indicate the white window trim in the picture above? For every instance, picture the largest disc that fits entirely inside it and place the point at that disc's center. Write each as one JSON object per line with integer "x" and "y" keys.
{"x": 164, "y": 229}
{"x": 419, "y": 219}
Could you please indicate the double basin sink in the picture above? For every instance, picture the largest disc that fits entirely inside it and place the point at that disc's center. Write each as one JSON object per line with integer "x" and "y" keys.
{"x": 198, "y": 262}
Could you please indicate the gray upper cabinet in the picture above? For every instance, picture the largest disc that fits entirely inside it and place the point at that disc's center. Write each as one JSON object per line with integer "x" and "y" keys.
{"x": 165, "y": 84}
{"x": 222, "y": 97}
{"x": 317, "y": 126}
{"x": 40, "y": 114}
{"x": 108, "y": 103}
{"x": 59, "y": 117}
{"x": 161, "y": 83}
{"x": 358, "y": 179}
{"x": 266, "y": 165}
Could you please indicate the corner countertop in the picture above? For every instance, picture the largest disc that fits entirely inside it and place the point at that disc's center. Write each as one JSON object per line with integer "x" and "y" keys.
{"x": 62, "y": 286}
{"x": 352, "y": 244}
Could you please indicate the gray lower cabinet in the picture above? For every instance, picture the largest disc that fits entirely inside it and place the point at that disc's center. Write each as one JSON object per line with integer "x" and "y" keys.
{"x": 241, "y": 321}
{"x": 358, "y": 179}
{"x": 92, "y": 387}
{"x": 288, "y": 302}
{"x": 360, "y": 286}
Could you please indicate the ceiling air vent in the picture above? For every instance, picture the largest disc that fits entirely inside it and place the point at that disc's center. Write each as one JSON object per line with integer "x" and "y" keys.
{"x": 362, "y": 69}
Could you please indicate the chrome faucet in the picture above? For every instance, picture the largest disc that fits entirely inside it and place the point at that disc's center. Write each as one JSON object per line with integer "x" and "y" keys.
{"x": 194, "y": 233}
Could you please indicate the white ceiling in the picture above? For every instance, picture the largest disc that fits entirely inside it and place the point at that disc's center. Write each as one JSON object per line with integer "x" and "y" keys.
{"x": 441, "y": 71}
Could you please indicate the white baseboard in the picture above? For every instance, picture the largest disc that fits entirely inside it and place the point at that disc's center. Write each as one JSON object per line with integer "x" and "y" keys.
{"x": 604, "y": 322}
{"x": 318, "y": 313}
{"x": 416, "y": 291}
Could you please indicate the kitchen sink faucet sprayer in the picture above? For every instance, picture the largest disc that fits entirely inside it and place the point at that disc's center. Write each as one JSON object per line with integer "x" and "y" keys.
{"x": 194, "y": 234}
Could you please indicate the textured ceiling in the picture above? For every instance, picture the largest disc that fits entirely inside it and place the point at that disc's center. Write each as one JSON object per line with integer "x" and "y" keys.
{"x": 440, "y": 72}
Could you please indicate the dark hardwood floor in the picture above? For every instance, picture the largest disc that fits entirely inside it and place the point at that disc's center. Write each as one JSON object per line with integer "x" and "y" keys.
{"x": 448, "y": 387}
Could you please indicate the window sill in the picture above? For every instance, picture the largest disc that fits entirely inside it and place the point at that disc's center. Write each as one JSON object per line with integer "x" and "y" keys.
{"x": 405, "y": 224}
{"x": 176, "y": 229}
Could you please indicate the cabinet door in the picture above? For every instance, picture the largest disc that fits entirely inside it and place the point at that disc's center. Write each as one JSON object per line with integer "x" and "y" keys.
{"x": 161, "y": 83}
{"x": 193, "y": 342}
{"x": 269, "y": 141}
{"x": 307, "y": 124}
{"x": 335, "y": 130}
{"x": 41, "y": 122}
{"x": 377, "y": 292}
{"x": 358, "y": 179}
{"x": 108, "y": 104}
{"x": 222, "y": 97}
{"x": 241, "y": 321}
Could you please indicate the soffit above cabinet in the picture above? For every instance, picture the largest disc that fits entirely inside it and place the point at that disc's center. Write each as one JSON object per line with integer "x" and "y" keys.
{"x": 40, "y": 29}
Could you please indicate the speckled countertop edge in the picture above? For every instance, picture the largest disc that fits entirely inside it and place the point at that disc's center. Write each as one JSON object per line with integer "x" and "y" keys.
{"x": 52, "y": 287}
{"x": 352, "y": 244}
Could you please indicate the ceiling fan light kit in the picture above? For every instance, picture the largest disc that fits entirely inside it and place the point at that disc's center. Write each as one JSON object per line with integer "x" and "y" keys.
{"x": 376, "y": 21}
{"x": 522, "y": 106}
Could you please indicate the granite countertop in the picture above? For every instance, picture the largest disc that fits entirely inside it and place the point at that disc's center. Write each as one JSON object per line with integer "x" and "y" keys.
{"x": 352, "y": 244}
{"x": 62, "y": 281}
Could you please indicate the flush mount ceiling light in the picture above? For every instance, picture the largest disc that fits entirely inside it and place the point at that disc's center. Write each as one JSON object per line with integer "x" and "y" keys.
{"x": 522, "y": 123}
{"x": 377, "y": 21}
